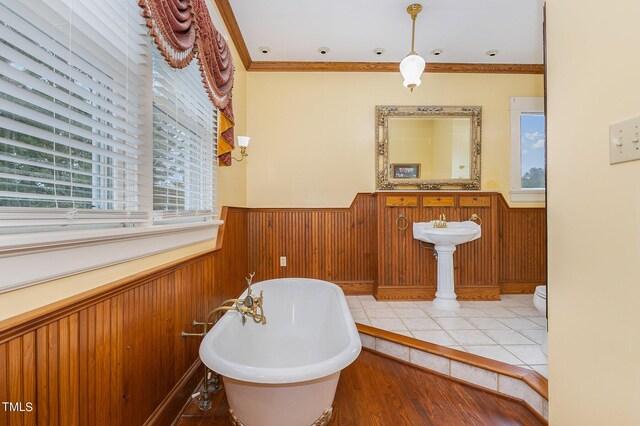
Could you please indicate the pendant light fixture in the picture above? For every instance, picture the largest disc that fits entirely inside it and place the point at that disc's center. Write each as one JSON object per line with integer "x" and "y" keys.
{"x": 413, "y": 65}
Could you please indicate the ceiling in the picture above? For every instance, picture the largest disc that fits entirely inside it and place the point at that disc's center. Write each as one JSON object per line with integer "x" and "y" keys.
{"x": 464, "y": 30}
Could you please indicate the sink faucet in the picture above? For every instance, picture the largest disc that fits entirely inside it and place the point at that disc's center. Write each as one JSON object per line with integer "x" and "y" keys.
{"x": 441, "y": 222}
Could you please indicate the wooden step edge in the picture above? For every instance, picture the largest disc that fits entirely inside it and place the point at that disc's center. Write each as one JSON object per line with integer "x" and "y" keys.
{"x": 534, "y": 379}
{"x": 508, "y": 397}
{"x": 517, "y": 382}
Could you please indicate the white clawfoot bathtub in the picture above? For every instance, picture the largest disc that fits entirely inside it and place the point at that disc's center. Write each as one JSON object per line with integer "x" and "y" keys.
{"x": 284, "y": 373}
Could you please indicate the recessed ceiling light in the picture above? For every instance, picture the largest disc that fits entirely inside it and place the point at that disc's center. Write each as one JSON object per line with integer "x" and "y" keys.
{"x": 436, "y": 52}
{"x": 264, "y": 50}
{"x": 323, "y": 50}
{"x": 378, "y": 51}
{"x": 492, "y": 52}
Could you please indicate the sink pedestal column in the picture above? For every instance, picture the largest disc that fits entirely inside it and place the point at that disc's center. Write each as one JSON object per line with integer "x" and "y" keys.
{"x": 445, "y": 295}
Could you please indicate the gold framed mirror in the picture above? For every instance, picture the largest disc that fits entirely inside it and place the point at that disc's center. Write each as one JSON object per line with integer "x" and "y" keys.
{"x": 428, "y": 147}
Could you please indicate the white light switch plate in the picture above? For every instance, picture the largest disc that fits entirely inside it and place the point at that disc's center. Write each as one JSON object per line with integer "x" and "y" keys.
{"x": 283, "y": 260}
{"x": 624, "y": 141}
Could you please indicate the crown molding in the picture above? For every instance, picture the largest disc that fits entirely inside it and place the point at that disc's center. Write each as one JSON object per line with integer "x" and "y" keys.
{"x": 283, "y": 66}
{"x": 224, "y": 7}
{"x": 234, "y": 31}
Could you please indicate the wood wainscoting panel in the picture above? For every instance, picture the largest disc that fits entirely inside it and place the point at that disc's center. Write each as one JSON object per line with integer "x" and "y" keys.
{"x": 112, "y": 355}
{"x": 336, "y": 245}
{"x": 523, "y": 248}
{"x": 366, "y": 246}
{"x": 405, "y": 261}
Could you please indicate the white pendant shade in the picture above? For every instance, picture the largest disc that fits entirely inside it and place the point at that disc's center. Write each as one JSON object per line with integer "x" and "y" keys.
{"x": 243, "y": 141}
{"x": 411, "y": 69}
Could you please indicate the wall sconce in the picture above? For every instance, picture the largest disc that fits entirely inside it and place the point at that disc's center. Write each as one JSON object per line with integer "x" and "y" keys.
{"x": 243, "y": 143}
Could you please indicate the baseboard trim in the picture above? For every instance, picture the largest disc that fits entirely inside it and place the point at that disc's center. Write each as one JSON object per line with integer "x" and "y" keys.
{"x": 429, "y": 293}
{"x": 519, "y": 287}
{"x": 355, "y": 288}
{"x": 173, "y": 404}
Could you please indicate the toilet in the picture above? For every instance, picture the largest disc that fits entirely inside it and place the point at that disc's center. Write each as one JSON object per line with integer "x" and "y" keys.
{"x": 540, "y": 302}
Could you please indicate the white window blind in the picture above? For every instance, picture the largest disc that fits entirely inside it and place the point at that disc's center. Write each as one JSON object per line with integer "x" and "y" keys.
{"x": 73, "y": 80}
{"x": 184, "y": 143}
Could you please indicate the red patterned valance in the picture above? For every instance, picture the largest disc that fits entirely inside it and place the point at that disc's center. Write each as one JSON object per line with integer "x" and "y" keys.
{"x": 181, "y": 28}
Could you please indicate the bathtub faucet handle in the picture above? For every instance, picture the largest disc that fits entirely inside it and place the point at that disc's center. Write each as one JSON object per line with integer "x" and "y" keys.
{"x": 249, "y": 279}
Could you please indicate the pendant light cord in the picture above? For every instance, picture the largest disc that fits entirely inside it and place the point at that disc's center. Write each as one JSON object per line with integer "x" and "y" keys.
{"x": 413, "y": 34}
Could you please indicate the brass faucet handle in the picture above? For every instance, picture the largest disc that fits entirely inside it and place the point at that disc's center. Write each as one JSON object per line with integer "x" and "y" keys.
{"x": 249, "y": 280}
{"x": 248, "y": 301}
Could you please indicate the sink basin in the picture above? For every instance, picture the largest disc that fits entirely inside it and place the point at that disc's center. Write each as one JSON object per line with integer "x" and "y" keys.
{"x": 446, "y": 240}
{"x": 455, "y": 233}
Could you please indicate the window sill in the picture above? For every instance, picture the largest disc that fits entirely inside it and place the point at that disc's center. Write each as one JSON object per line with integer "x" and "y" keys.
{"x": 528, "y": 195}
{"x": 27, "y": 259}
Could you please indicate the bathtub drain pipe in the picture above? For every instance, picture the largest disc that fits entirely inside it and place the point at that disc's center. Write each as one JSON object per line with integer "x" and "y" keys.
{"x": 210, "y": 385}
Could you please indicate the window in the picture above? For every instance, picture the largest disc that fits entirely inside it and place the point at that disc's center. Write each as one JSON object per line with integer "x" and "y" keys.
{"x": 101, "y": 141}
{"x": 184, "y": 134}
{"x": 528, "y": 145}
{"x": 69, "y": 121}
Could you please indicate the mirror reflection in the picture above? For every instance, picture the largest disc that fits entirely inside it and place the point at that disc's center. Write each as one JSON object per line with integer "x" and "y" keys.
{"x": 429, "y": 147}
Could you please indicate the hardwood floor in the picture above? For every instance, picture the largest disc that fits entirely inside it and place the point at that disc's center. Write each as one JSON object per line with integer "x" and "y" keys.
{"x": 377, "y": 391}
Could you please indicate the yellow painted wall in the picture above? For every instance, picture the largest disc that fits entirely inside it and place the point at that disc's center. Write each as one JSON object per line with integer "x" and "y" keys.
{"x": 313, "y": 134}
{"x": 412, "y": 143}
{"x": 232, "y": 191}
{"x": 443, "y": 140}
{"x": 232, "y": 181}
{"x": 594, "y": 214}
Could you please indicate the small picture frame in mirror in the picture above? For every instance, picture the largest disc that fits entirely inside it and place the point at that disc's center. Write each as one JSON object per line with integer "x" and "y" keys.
{"x": 405, "y": 171}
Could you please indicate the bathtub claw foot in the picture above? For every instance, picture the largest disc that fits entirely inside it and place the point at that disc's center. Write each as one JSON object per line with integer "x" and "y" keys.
{"x": 323, "y": 420}
{"x": 234, "y": 420}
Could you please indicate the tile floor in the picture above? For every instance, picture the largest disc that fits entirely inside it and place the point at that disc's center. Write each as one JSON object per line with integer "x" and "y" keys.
{"x": 509, "y": 330}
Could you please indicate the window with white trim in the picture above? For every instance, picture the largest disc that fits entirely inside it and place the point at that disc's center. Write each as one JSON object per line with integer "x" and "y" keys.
{"x": 100, "y": 139}
{"x": 528, "y": 145}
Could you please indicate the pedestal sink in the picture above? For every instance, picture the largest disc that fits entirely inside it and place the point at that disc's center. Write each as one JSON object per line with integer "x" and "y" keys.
{"x": 446, "y": 240}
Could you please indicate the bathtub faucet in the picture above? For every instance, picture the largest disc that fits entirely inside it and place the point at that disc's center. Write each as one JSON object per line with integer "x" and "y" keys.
{"x": 250, "y": 306}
